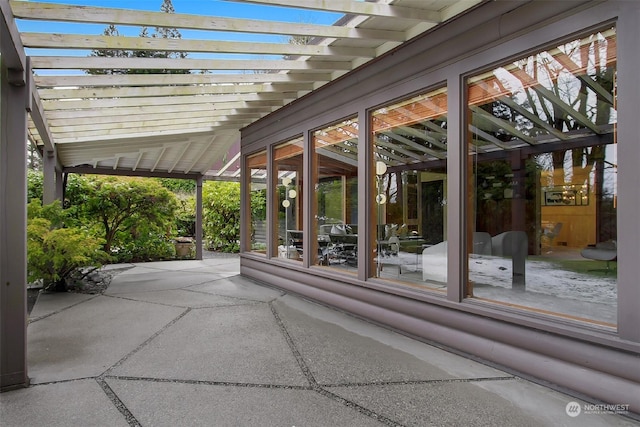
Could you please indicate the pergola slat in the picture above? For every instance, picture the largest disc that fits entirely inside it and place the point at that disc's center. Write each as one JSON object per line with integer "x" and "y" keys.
{"x": 84, "y": 42}
{"x": 272, "y": 98}
{"x": 151, "y": 91}
{"x": 99, "y": 15}
{"x": 118, "y": 113}
{"x": 123, "y": 80}
{"x": 216, "y": 87}
{"x": 357, "y": 8}
{"x": 101, "y": 63}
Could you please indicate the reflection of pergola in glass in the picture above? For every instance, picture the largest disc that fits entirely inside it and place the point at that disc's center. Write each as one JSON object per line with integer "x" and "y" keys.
{"x": 413, "y": 131}
{"x": 528, "y": 91}
{"x": 338, "y": 146}
{"x": 557, "y": 96}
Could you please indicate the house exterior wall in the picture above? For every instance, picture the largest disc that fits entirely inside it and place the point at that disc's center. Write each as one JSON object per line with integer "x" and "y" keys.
{"x": 603, "y": 363}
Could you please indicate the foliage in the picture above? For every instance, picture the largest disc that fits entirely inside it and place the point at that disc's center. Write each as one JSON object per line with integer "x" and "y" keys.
{"x": 186, "y": 215}
{"x": 129, "y": 209}
{"x": 34, "y": 159}
{"x": 35, "y": 182}
{"x": 149, "y": 245}
{"x": 221, "y": 215}
{"x": 186, "y": 186}
{"x": 136, "y": 217}
{"x": 54, "y": 251}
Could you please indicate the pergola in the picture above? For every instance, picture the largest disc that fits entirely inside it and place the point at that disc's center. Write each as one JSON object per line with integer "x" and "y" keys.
{"x": 182, "y": 122}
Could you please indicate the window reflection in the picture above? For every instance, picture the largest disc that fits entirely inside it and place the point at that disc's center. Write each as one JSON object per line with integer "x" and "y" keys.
{"x": 410, "y": 149}
{"x": 542, "y": 227}
{"x": 289, "y": 166}
{"x": 257, "y": 166}
{"x": 335, "y": 210}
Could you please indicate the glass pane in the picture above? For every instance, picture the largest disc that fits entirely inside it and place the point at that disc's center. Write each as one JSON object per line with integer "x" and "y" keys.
{"x": 335, "y": 209}
{"x": 288, "y": 166}
{"x": 542, "y": 225}
{"x": 410, "y": 154}
{"x": 257, "y": 165}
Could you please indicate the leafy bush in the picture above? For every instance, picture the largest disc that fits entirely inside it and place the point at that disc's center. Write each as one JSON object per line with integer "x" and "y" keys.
{"x": 34, "y": 184}
{"x": 130, "y": 210}
{"x": 179, "y": 186}
{"x": 149, "y": 246}
{"x": 221, "y": 215}
{"x": 186, "y": 215}
{"x": 55, "y": 251}
{"x": 136, "y": 216}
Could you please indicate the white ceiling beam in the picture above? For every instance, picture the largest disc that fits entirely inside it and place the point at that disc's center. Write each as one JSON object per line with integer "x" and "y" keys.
{"x": 105, "y": 63}
{"x": 141, "y": 124}
{"x": 86, "y": 126}
{"x": 135, "y": 166}
{"x": 356, "y": 8}
{"x": 98, "y": 15}
{"x": 227, "y": 165}
{"x": 200, "y": 154}
{"x": 122, "y": 80}
{"x": 147, "y": 122}
{"x": 160, "y": 155}
{"x": 84, "y": 42}
{"x": 275, "y": 99}
{"x": 105, "y": 118}
{"x": 136, "y": 111}
{"x": 179, "y": 157}
{"x": 150, "y": 91}
{"x": 119, "y": 137}
{"x": 129, "y": 131}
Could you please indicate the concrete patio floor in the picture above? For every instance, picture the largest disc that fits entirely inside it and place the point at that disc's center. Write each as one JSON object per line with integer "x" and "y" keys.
{"x": 192, "y": 343}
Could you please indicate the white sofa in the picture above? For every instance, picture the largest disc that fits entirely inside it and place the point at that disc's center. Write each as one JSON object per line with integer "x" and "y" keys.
{"x": 511, "y": 244}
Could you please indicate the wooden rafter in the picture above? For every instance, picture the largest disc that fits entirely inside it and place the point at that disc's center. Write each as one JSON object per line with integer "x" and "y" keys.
{"x": 358, "y": 8}
{"x": 220, "y": 87}
{"x": 99, "y": 15}
{"x": 83, "y": 42}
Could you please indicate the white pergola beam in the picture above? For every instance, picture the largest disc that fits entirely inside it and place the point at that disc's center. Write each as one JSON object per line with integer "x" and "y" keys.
{"x": 84, "y": 42}
{"x": 270, "y": 98}
{"x": 122, "y": 80}
{"x": 117, "y": 112}
{"x": 169, "y": 115}
{"x": 105, "y": 63}
{"x": 200, "y": 154}
{"x": 99, "y": 15}
{"x": 118, "y": 136}
{"x": 149, "y": 91}
{"x": 141, "y": 124}
{"x": 356, "y": 8}
{"x": 179, "y": 157}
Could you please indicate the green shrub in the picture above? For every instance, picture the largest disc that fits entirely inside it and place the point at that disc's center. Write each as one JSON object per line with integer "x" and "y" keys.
{"x": 130, "y": 212}
{"x": 221, "y": 215}
{"x": 34, "y": 184}
{"x": 186, "y": 215}
{"x": 55, "y": 251}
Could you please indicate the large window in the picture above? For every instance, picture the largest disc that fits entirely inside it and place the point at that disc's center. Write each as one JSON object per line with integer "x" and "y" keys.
{"x": 257, "y": 166}
{"x": 288, "y": 166}
{"x": 409, "y": 142}
{"x": 335, "y": 207}
{"x": 542, "y": 181}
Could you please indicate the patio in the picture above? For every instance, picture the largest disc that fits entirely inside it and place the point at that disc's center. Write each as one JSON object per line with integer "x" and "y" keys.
{"x": 194, "y": 343}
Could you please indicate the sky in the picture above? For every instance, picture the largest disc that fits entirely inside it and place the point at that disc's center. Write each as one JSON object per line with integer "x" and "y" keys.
{"x": 223, "y": 8}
